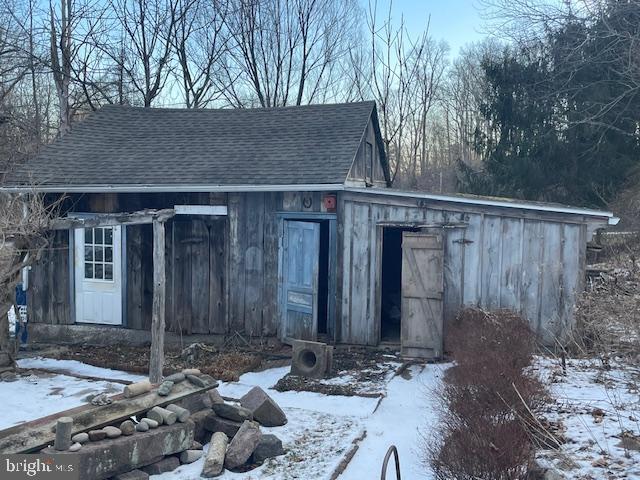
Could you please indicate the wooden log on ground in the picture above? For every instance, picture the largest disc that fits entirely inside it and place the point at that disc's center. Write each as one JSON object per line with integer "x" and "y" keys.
{"x": 35, "y": 435}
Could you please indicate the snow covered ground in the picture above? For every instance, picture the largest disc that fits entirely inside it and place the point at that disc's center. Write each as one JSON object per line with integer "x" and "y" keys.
{"x": 74, "y": 367}
{"x": 35, "y": 396}
{"x": 320, "y": 432}
{"x": 599, "y": 408}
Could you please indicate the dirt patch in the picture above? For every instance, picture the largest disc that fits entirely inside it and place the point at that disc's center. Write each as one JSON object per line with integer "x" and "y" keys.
{"x": 225, "y": 365}
{"x": 356, "y": 372}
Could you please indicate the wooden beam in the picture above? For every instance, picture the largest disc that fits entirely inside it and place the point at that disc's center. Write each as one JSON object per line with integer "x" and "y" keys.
{"x": 141, "y": 217}
{"x": 156, "y": 360}
{"x": 37, "y": 434}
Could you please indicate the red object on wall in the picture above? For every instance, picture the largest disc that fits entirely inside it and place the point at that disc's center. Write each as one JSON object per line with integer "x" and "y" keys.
{"x": 329, "y": 203}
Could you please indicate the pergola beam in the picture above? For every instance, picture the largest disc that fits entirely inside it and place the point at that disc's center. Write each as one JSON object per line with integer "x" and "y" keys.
{"x": 142, "y": 217}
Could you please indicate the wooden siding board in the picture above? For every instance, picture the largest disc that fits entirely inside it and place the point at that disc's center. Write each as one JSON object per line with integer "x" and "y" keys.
{"x": 511, "y": 263}
{"x": 347, "y": 294}
{"x": 254, "y": 263}
{"x": 270, "y": 277}
{"x": 453, "y": 267}
{"x": 532, "y": 258}
{"x": 183, "y": 277}
{"x": 472, "y": 237}
{"x": 217, "y": 304}
{"x": 237, "y": 242}
{"x": 551, "y": 284}
{"x": 134, "y": 276}
{"x": 492, "y": 249}
{"x": 200, "y": 265}
{"x": 359, "y": 275}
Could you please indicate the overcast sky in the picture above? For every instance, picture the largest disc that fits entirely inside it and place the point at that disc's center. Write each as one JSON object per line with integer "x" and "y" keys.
{"x": 458, "y": 22}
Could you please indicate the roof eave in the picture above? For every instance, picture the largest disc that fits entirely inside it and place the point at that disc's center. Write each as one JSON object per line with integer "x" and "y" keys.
{"x": 607, "y": 216}
{"x": 182, "y": 188}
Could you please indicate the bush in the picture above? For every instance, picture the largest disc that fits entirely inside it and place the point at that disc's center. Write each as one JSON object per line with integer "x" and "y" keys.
{"x": 488, "y": 398}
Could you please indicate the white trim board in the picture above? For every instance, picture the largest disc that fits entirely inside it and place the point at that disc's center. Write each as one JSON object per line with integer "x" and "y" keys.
{"x": 212, "y": 210}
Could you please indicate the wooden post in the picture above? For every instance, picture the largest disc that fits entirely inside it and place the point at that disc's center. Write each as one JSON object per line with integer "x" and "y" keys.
{"x": 156, "y": 360}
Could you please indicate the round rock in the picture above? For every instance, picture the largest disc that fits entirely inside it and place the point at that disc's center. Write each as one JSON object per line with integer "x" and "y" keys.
{"x": 80, "y": 438}
{"x": 112, "y": 432}
{"x": 127, "y": 427}
{"x": 75, "y": 447}
{"x": 97, "y": 435}
{"x": 142, "y": 426}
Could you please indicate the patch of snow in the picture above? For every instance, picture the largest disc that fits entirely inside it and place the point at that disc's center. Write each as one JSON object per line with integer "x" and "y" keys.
{"x": 315, "y": 444}
{"x": 405, "y": 412}
{"x": 29, "y": 398}
{"x": 595, "y": 405}
{"x": 74, "y": 367}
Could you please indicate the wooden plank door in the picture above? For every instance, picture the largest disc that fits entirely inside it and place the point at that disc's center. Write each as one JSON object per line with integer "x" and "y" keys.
{"x": 422, "y": 295}
{"x": 300, "y": 259}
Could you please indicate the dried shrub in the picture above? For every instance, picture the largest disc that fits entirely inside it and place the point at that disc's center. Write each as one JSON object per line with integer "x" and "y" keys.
{"x": 608, "y": 311}
{"x": 489, "y": 397}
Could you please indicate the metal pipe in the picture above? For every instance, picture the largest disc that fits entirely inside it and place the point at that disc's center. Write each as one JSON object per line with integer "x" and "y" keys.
{"x": 385, "y": 463}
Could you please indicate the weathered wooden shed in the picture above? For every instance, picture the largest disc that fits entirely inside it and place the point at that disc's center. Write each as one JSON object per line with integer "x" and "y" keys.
{"x": 282, "y": 226}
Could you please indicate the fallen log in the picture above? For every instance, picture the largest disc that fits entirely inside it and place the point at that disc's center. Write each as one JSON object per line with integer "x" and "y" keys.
{"x": 37, "y": 434}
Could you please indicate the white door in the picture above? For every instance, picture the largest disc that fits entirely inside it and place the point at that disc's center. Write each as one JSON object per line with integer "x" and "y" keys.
{"x": 98, "y": 275}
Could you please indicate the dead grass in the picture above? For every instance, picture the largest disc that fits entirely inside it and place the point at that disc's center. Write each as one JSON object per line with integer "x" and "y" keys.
{"x": 226, "y": 365}
{"x": 608, "y": 312}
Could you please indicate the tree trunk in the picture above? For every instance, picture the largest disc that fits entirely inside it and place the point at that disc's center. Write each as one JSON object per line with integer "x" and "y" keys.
{"x": 6, "y": 344}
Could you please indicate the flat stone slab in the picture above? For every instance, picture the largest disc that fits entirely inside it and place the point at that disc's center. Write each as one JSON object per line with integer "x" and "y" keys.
{"x": 110, "y": 457}
{"x": 214, "y": 423}
{"x": 232, "y": 412}
{"x": 132, "y": 475}
{"x": 269, "y": 446}
{"x": 167, "y": 464}
{"x": 242, "y": 445}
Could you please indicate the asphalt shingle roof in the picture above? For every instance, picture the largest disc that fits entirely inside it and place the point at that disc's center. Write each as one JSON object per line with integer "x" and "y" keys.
{"x": 121, "y": 146}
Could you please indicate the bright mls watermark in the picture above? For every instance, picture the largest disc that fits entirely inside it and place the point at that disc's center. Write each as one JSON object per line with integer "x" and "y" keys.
{"x": 49, "y": 467}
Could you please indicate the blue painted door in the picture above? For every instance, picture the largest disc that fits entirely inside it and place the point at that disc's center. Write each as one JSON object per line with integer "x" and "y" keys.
{"x": 299, "y": 302}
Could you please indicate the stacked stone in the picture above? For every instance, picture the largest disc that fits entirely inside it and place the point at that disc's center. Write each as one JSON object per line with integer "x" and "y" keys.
{"x": 233, "y": 430}
{"x": 237, "y": 439}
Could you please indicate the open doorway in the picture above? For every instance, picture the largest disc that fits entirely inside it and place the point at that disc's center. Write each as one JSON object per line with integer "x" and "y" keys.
{"x": 323, "y": 279}
{"x": 391, "y": 301}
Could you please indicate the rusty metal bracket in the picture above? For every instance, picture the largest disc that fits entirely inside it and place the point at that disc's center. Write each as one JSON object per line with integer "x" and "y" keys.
{"x": 385, "y": 463}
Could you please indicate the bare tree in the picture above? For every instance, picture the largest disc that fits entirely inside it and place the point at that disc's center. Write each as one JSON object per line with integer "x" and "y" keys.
{"x": 403, "y": 75}
{"x": 24, "y": 221}
{"x": 200, "y": 43}
{"x": 144, "y": 55}
{"x": 283, "y": 51}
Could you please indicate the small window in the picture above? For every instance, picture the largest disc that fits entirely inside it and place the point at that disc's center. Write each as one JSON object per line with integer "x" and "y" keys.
{"x": 98, "y": 253}
{"x": 368, "y": 161}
